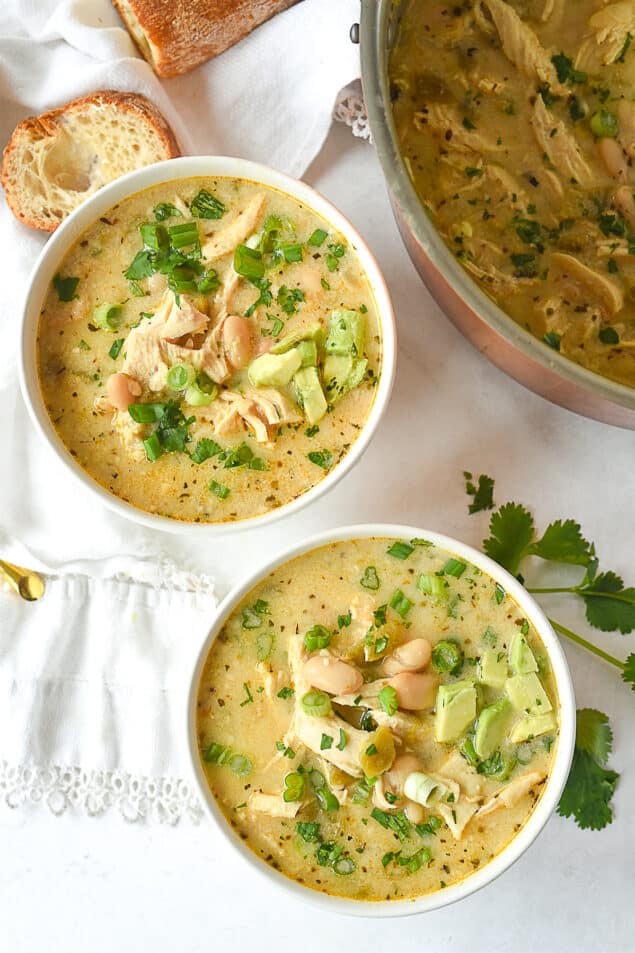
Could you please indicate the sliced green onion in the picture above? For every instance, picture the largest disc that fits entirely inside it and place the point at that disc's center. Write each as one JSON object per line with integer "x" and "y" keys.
{"x": 251, "y": 618}
{"x": 154, "y": 236}
{"x": 326, "y": 799}
{"x": 115, "y": 348}
{"x": 604, "y": 124}
{"x": 240, "y": 765}
{"x": 146, "y": 413}
{"x": 292, "y": 251}
{"x": 317, "y": 238}
{"x": 400, "y": 603}
{"x": 180, "y": 376}
{"x": 183, "y": 235}
{"x": 342, "y": 742}
{"x": 317, "y": 638}
{"x": 447, "y": 656}
{"x": 317, "y": 779}
{"x": 326, "y": 742}
{"x": 196, "y": 396}
{"x": 316, "y": 703}
{"x": 344, "y": 866}
{"x": 248, "y": 262}
{"x": 423, "y": 789}
{"x": 370, "y": 579}
{"x": 432, "y": 585}
{"x": 152, "y": 448}
{"x": 293, "y": 787}
{"x": 400, "y": 549}
{"x": 108, "y": 317}
{"x": 454, "y": 567}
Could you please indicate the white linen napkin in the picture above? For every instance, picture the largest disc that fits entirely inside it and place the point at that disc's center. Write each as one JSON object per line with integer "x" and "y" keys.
{"x": 93, "y": 682}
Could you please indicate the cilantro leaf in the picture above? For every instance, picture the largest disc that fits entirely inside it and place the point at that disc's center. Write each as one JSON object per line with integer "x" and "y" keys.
{"x": 563, "y": 542}
{"x": 609, "y": 606}
{"x": 628, "y": 674}
{"x": 172, "y": 429}
{"x": 590, "y": 787}
{"x": 482, "y": 493}
{"x": 593, "y": 734}
{"x": 511, "y": 532}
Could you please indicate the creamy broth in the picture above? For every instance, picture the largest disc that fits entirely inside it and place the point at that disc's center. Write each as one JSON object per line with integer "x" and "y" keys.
{"x": 517, "y": 125}
{"x": 229, "y": 429}
{"x": 291, "y": 760}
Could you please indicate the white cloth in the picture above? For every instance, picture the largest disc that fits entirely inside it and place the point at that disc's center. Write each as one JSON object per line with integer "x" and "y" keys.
{"x": 87, "y": 695}
{"x": 93, "y": 682}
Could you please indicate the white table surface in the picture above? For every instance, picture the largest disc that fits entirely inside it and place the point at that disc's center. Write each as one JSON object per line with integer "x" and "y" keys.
{"x": 79, "y": 884}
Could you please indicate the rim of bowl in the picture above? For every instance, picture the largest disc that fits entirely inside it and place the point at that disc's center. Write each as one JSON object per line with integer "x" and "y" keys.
{"x": 171, "y": 170}
{"x": 551, "y": 792}
{"x": 375, "y": 80}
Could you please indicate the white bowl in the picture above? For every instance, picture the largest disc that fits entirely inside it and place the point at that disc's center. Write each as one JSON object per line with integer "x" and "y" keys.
{"x": 551, "y": 792}
{"x": 97, "y": 205}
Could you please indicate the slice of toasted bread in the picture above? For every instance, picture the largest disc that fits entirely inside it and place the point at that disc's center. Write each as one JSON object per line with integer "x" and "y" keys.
{"x": 176, "y": 37}
{"x": 56, "y": 160}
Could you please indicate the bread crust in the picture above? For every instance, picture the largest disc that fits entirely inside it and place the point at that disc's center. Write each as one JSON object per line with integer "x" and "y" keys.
{"x": 176, "y": 37}
{"x": 47, "y": 125}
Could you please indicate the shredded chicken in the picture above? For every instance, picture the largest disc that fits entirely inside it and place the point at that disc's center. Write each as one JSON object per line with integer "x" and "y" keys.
{"x": 457, "y": 816}
{"x": 559, "y": 145}
{"x": 606, "y": 292}
{"x": 145, "y": 347}
{"x": 235, "y": 229}
{"x": 511, "y": 793}
{"x": 130, "y": 433}
{"x": 520, "y": 44}
{"x": 446, "y": 121}
{"x": 272, "y": 804}
{"x": 607, "y": 34}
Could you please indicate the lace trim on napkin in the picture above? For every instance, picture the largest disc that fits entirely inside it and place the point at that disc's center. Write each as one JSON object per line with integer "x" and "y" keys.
{"x": 135, "y": 797}
{"x": 351, "y": 110}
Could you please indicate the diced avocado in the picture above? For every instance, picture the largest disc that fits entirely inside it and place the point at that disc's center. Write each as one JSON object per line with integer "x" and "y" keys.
{"x": 533, "y": 725}
{"x": 521, "y": 658}
{"x": 312, "y": 332}
{"x": 526, "y": 694}
{"x": 357, "y": 374}
{"x": 274, "y": 370}
{"x": 456, "y": 710}
{"x": 310, "y": 395}
{"x": 347, "y": 333}
{"x": 336, "y": 371}
{"x": 491, "y": 728}
{"x": 492, "y": 668}
{"x": 308, "y": 353}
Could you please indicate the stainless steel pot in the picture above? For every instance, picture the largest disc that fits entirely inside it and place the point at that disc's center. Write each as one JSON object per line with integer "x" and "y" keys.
{"x": 495, "y": 334}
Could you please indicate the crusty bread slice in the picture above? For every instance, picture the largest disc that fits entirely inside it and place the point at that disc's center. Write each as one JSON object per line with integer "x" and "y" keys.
{"x": 176, "y": 37}
{"x": 55, "y": 161}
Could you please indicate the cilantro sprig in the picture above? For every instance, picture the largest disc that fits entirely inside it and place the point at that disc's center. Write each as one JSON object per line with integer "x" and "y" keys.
{"x": 590, "y": 785}
{"x": 609, "y": 604}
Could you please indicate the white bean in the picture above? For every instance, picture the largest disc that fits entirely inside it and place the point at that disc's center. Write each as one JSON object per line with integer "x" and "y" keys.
{"x": 415, "y": 690}
{"x": 410, "y": 657}
{"x": 613, "y": 158}
{"x": 122, "y": 390}
{"x": 332, "y": 675}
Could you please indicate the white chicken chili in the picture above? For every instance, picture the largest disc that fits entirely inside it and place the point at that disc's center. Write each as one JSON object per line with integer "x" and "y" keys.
{"x": 209, "y": 349}
{"x": 377, "y": 719}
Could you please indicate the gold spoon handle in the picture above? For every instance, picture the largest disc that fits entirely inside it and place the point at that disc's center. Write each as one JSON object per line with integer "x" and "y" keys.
{"x": 28, "y": 584}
